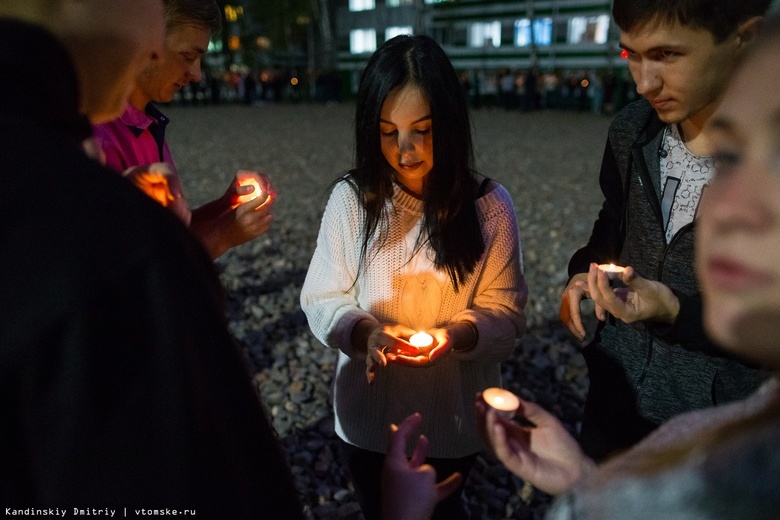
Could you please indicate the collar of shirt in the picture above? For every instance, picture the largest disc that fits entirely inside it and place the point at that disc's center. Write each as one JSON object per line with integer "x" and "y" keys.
{"x": 138, "y": 121}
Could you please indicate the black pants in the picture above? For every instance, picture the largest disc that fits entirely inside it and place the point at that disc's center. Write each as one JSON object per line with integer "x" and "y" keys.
{"x": 366, "y": 469}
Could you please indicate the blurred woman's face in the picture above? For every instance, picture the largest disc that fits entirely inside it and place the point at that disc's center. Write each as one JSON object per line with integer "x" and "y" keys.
{"x": 406, "y": 134}
{"x": 738, "y": 240}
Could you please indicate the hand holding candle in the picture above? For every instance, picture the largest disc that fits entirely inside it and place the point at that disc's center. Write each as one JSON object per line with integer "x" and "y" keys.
{"x": 399, "y": 345}
{"x": 420, "y": 342}
{"x": 160, "y": 182}
{"x": 247, "y": 178}
{"x": 637, "y": 299}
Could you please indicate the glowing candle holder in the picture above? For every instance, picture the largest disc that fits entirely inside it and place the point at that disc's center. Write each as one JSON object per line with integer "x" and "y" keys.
{"x": 422, "y": 340}
{"x": 155, "y": 185}
{"x": 249, "y": 181}
{"x": 614, "y": 272}
{"x": 504, "y": 402}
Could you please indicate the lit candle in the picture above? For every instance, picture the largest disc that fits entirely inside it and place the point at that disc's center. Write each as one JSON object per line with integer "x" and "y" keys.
{"x": 613, "y": 271}
{"x": 249, "y": 181}
{"x": 421, "y": 340}
{"x": 502, "y": 401}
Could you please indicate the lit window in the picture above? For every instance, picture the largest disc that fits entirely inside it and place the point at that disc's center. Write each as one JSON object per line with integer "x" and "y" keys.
{"x": 361, "y": 5}
{"x": 398, "y": 3}
{"x": 392, "y": 32}
{"x": 522, "y": 32}
{"x": 485, "y": 34}
{"x": 588, "y": 29}
{"x": 215, "y": 45}
{"x": 542, "y": 32}
{"x": 362, "y": 40}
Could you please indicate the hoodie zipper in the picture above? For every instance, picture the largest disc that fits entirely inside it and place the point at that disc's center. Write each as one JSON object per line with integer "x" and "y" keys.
{"x": 683, "y": 230}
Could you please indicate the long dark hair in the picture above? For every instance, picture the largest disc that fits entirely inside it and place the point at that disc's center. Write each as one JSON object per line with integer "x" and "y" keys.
{"x": 450, "y": 222}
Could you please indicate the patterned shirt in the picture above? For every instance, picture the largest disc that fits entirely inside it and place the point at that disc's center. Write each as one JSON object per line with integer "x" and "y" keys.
{"x": 683, "y": 179}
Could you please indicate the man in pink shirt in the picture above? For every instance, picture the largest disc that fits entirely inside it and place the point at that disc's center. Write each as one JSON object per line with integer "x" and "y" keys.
{"x": 135, "y": 142}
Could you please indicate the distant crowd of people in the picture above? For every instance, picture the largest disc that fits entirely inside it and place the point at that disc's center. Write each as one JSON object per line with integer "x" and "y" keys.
{"x": 598, "y": 91}
{"x": 245, "y": 85}
{"x": 602, "y": 91}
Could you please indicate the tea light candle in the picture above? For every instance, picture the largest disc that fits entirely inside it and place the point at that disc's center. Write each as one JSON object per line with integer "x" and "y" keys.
{"x": 502, "y": 401}
{"x": 250, "y": 181}
{"x": 613, "y": 271}
{"x": 421, "y": 340}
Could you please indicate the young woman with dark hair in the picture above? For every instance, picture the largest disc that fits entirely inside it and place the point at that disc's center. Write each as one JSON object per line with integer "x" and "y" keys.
{"x": 413, "y": 239}
{"x": 450, "y": 216}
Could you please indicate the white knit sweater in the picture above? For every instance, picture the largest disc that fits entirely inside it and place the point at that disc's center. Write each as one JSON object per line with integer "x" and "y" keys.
{"x": 395, "y": 288}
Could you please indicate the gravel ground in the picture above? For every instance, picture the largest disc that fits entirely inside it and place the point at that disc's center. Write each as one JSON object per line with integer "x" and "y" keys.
{"x": 549, "y": 163}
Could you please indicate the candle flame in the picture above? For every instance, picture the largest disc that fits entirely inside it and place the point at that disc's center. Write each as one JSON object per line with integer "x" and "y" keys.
{"x": 611, "y": 267}
{"x": 500, "y": 399}
{"x": 421, "y": 340}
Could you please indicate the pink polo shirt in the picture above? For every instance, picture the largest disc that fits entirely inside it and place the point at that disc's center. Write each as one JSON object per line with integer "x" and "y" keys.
{"x": 137, "y": 138}
{"x": 134, "y": 138}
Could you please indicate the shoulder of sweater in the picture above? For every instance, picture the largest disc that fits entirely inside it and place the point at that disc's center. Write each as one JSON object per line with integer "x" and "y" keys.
{"x": 343, "y": 207}
{"x": 344, "y": 186}
{"x": 496, "y": 203}
{"x": 343, "y": 193}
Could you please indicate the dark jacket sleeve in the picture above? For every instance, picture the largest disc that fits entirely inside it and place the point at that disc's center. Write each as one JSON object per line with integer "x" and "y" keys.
{"x": 606, "y": 239}
{"x": 688, "y": 329}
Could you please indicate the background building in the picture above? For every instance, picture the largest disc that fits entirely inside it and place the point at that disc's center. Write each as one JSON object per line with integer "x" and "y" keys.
{"x": 486, "y": 33}
{"x": 516, "y": 53}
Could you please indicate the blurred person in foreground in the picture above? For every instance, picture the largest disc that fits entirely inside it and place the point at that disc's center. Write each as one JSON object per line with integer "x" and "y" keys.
{"x": 135, "y": 144}
{"x": 716, "y": 463}
{"x": 651, "y": 359}
{"x": 119, "y": 383}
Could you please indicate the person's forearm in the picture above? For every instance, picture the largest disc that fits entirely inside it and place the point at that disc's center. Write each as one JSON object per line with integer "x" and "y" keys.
{"x": 463, "y": 336}
{"x": 360, "y": 333}
{"x": 671, "y": 306}
{"x": 208, "y": 234}
{"x": 211, "y": 210}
